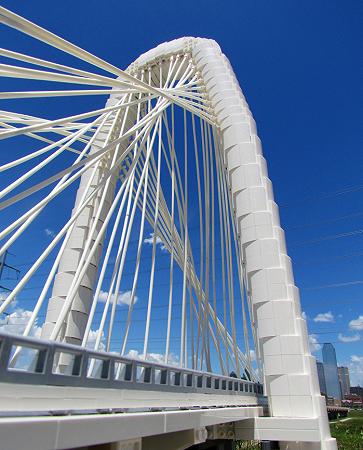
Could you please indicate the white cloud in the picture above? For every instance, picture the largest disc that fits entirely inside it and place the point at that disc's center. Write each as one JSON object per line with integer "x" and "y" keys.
{"x": 16, "y": 322}
{"x": 356, "y": 324}
{"x": 95, "y": 364}
{"x": 304, "y": 315}
{"x": 134, "y": 354}
{"x": 356, "y": 370}
{"x": 253, "y": 355}
{"x": 324, "y": 317}
{"x": 123, "y": 298}
{"x": 150, "y": 241}
{"x": 353, "y": 338}
{"x": 313, "y": 343}
{"x": 154, "y": 357}
{"x": 4, "y": 296}
{"x": 92, "y": 336}
{"x": 49, "y": 232}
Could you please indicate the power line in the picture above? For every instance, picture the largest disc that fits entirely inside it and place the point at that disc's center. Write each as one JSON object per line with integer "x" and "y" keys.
{"x": 328, "y": 238}
{"x": 324, "y": 286}
{"x": 330, "y": 258}
{"x": 325, "y": 332}
{"x": 292, "y": 244}
{"x": 334, "y": 342}
{"x": 324, "y": 195}
{"x": 3, "y": 264}
{"x": 324, "y": 222}
{"x": 333, "y": 285}
{"x": 336, "y": 302}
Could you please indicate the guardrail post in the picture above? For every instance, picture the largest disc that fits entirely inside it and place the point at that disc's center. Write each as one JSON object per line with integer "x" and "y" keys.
{"x": 41, "y": 360}
{"x": 5, "y": 352}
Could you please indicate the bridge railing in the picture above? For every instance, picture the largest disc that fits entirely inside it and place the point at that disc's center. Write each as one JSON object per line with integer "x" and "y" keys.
{"x": 96, "y": 369}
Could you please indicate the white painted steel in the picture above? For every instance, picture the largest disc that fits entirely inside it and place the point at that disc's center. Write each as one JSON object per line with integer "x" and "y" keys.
{"x": 289, "y": 370}
{"x": 290, "y": 375}
{"x": 34, "y": 399}
{"x": 73, "y": 295}
{"x": 45, "y": 433}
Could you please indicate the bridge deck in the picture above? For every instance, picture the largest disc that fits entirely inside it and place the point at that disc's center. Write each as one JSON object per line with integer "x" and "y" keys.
{"x": 44, "y": 433}
{"x": 122, "y": 399}
{"x": 23, "y": 398}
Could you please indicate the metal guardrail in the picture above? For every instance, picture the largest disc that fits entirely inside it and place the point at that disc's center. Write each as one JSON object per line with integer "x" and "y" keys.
{"x": 95, "y": 369}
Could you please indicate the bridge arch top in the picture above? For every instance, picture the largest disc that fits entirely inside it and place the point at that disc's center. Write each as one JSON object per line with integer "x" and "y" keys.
{"x": 216, "y": 75}
{"x": 167, "y": 49}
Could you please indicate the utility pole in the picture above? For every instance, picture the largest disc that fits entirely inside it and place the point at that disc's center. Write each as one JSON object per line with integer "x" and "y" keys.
{"x": 3, "y": 264}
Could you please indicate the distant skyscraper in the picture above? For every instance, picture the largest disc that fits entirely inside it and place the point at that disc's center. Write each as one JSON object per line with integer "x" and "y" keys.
{"x": 321, "y": 376}
{"x": 344, "y": 380}
{"x": 331, "y": 371}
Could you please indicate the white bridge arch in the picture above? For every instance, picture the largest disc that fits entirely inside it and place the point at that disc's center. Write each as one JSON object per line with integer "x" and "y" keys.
{"x": 174, "y": 160}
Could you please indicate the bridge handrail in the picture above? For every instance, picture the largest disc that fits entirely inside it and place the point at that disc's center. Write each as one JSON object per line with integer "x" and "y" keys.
{"x": 113, "y": 370}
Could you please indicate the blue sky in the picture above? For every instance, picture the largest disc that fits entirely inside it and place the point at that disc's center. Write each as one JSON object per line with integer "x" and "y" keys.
{"x": 298, "y": 65}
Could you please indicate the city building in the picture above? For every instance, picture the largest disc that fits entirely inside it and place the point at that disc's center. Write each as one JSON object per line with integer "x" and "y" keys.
{"x": 353, "y": 401}
{"x": 344, "y": 380}
{"x": 321, "y": 376}
{"x": 358, "y": 390}
{"x": 331, "y": 371}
